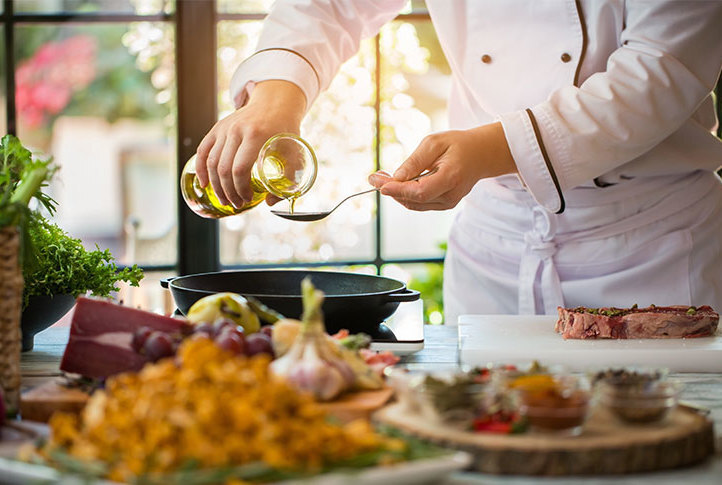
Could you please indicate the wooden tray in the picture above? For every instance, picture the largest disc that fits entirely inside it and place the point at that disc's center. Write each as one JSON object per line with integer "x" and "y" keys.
{"x": 606, "y": 445}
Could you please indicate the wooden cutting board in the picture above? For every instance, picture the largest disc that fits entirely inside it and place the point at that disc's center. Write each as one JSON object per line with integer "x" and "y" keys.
{"x": 606, "y": 445}
{"x": 39, "y": 403}
{"x": 358, "y": 405}
{"x": 523, "y": 338}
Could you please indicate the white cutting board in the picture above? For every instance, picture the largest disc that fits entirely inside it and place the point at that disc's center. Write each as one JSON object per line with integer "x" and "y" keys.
{"x": 487, "y": 339}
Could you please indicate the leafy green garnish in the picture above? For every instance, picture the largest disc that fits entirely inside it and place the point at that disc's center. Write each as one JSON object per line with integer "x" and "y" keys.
{"x": 64, "y": 266}
{"x": 356, "y": 341}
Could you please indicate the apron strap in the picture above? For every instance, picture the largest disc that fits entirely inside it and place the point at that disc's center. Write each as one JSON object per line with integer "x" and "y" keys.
{"x": 537, "y": 261}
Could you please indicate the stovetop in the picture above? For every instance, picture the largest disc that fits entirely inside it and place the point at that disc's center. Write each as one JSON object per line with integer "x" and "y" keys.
{"x": 403, "y": 332}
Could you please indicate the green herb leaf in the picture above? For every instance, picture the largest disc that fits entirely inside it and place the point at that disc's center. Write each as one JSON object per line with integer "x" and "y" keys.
{"x": 64, "y": 266}
{"x": 21, "y": 179}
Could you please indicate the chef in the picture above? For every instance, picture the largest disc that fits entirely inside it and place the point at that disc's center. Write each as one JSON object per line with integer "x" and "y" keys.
{"x": 582, "y": 145}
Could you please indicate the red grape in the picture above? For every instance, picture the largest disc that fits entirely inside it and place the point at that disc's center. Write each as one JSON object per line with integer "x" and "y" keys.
{"x": 267, "y": 330}
{"x": 258, "y": 343}
{"x": 158, "y": 345}
{"x": 231, "y": 341}
{"x": 221, "y": 324}
{"x": 234, "y": 330}
{"x": 139, "y": 338}
{"x": 205, "y": 328}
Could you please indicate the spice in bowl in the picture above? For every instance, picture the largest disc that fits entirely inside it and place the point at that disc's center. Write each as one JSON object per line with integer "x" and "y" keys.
{"x": 452, "y": 398}
{"x": 554, "y": 403}
{"x": 639, "y": 397}
{"x": 472, "y": 399}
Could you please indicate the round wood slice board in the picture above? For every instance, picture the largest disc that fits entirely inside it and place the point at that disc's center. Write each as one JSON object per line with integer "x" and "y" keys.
{"x": 605, "y": 446}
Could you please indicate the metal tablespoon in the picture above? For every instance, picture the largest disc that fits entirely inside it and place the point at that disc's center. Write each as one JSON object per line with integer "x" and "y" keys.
{"x": 316, "y": 216}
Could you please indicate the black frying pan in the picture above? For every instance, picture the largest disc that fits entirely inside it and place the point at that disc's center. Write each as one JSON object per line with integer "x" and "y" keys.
{"x": 354, "y": 301}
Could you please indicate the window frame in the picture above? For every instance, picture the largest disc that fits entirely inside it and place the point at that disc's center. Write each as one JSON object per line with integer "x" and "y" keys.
{"x": 196, "y": 24}
{"x": 195, "y": 50}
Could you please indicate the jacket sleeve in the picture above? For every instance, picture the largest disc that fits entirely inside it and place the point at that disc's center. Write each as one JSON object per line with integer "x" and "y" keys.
{"x": 667, "y": 64}
{"x": 306, "y": 41}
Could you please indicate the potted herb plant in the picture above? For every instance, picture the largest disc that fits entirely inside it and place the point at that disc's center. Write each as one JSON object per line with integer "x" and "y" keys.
{"x": 21, "y": 179}
{"x": 62, "y": 270}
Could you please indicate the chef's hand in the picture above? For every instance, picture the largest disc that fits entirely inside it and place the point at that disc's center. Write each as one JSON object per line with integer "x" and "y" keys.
{"x": 227, "y": 153}
{"x": 461, "y": 158}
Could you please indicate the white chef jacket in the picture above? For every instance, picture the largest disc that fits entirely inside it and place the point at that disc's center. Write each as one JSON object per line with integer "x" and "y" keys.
{"x": 600, "y": 100}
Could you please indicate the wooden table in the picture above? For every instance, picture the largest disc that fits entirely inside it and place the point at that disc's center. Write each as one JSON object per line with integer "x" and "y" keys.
{"x": 441, "y": 352}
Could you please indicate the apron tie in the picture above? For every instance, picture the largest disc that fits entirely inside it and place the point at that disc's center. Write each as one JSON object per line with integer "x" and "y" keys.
{"x": 538, "y": 262}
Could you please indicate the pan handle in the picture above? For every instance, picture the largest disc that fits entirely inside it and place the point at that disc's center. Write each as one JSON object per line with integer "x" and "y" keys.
{"x": 165, "y": 282}
{"x": 404, "y": 295}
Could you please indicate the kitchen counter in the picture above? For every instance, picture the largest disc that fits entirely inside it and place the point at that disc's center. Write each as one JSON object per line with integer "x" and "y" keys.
{"x": 441, "y": 352}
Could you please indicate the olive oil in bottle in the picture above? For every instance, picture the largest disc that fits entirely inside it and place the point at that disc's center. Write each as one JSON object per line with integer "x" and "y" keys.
{"x": 286, "y": 167}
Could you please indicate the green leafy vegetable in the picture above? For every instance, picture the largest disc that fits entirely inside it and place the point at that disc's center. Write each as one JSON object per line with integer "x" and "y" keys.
{"x": 64, "y": 266}
{"x": 21, "y": 179}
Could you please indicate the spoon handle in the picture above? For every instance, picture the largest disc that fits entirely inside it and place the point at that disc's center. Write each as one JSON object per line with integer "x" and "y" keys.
{"x": 375, "y": 189}
{"x": 353, "y": 195}
{"x": 428, "y": 172}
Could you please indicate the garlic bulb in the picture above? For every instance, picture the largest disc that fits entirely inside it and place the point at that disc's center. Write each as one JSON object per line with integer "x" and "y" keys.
{"x": 311, "y": 364}
{"x": 314, "y": 375}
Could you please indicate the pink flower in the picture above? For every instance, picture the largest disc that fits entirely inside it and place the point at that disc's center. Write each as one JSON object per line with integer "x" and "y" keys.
{"x": 46, "y": 82}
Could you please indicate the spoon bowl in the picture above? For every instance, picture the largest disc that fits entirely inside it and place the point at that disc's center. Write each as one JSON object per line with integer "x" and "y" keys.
{"x": 317, "y": 216}
{"x": 302, "y": 216}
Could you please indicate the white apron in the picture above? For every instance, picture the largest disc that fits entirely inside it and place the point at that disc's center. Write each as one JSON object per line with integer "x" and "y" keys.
{"x": 644, "y": 241}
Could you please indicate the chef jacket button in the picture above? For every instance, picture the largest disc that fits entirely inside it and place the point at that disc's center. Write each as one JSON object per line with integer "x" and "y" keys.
{"x": 566, "y": 57}
{"x": 486, "y": 59}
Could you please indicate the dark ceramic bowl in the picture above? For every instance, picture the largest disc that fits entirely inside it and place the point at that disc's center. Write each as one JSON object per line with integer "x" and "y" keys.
{"x": 42, "y": 312}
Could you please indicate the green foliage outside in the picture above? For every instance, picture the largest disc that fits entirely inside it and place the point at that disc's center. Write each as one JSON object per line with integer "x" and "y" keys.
{"x": 429, "y": 283}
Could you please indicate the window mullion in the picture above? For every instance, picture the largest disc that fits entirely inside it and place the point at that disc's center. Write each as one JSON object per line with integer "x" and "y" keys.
{"x": 198, "y": 250}
{"x": 10, "y": 113}
{"x": 378, "y": 260}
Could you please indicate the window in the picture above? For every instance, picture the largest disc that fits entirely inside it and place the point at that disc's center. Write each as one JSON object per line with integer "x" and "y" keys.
{"x": 143, "y": 82}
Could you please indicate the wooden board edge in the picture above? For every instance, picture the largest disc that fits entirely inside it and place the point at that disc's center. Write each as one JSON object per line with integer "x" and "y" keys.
{"x": 693, "y": 448}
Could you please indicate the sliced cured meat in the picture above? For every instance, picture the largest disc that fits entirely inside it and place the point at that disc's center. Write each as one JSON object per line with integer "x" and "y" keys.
{"x": 626, "y": 323}
{"x": 100, "y": 337}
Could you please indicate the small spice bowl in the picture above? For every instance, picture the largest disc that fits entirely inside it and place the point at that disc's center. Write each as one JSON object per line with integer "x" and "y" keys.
{"x": 404, "y": 382}
{"x": 454, "y": 398}
{"x": 558, "y": 404}
{"x": 642, "y": 402}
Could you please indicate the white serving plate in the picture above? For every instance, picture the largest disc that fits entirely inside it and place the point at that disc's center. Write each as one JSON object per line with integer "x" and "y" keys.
{"x": 430, "y": 470}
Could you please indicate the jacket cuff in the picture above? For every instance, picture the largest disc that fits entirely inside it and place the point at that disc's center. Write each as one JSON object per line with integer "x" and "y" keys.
{"x": 532, "y": 160}
{"x": 277, "y": 64}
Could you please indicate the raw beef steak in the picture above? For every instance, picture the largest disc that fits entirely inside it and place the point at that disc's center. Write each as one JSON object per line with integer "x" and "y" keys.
{"x": 650, "y": 322}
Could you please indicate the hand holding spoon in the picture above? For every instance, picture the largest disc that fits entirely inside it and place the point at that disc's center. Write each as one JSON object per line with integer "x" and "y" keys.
{"x": 316, "y": 216}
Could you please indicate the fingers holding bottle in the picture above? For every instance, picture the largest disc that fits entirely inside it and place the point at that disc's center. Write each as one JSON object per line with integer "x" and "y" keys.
{"x": 226, "y": 155}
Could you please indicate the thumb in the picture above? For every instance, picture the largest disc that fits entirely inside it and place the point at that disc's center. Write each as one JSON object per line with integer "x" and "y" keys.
{"x": 428, "y": 151}
{"x": 378, "y": 179}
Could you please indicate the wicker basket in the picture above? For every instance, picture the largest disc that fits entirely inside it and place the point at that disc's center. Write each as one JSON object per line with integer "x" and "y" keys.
{"x": 11, "y": 294}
